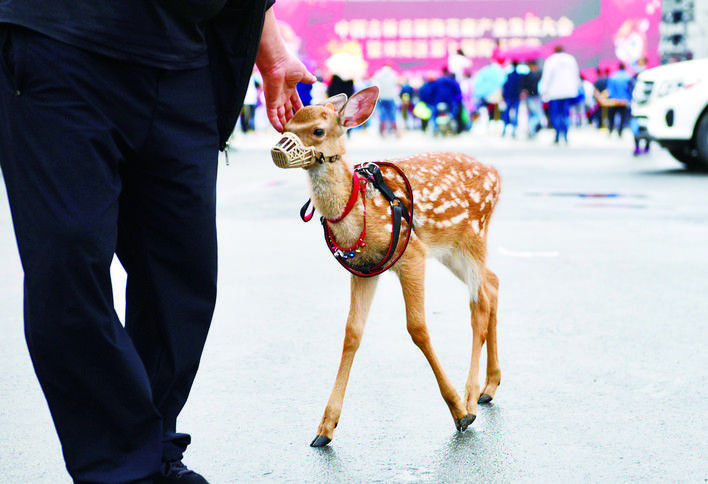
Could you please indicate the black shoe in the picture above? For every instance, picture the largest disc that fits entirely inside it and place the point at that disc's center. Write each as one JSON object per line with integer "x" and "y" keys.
{"x": 178, "y": 473}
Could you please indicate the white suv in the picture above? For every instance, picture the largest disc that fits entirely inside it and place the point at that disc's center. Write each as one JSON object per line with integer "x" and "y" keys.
{"x": 671, "y": 103}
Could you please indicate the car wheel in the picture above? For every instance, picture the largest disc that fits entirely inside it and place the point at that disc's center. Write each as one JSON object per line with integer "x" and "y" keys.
{"x": 702, "y": 138}
{"x": 688, "y": 157}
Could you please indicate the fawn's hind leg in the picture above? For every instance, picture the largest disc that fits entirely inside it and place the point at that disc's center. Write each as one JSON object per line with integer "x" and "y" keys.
{"x": 469, "y": 272}
{"x": 411, "y": 272}
{"x": 484, "y": 320}
{"x": 483, "y": 285}
{"x": 493, "y": 370}
{"x": 480, "y": 316}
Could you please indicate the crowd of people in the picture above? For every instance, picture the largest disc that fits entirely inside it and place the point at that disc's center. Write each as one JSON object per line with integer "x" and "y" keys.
{"x": 502, "y": 96}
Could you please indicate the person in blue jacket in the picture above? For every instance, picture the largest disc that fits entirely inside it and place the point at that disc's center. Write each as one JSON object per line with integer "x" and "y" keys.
{"x": 445, "y": 93}
{"x": 112, "y": 115}
{"x": 619, "y": 92}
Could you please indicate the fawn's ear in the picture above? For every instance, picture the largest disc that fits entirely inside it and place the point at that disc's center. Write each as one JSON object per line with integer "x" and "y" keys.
{"x": 358, "y": 109}
{"x": 337, "y": 101}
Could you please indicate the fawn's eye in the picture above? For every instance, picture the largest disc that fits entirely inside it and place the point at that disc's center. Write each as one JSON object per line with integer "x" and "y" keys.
{"x": 318, "y": 132}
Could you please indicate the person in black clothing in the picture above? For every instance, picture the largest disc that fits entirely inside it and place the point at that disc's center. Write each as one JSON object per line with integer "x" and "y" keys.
{"x": 534, "y": 105}
{"x": 600, "y": 93}
{"x": 337, "y": 85}
{"x": 134, "y": 99}
{"x": 602, "y": 77}
{"x": 511, "y": 92}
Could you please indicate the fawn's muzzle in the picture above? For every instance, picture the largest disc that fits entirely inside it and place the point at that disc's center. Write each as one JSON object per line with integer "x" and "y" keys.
{"x": 290, "y": 152}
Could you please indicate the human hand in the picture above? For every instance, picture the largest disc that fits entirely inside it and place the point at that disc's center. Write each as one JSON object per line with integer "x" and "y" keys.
{"x": 281, "y": 72}
{"x": 280, "y": 89}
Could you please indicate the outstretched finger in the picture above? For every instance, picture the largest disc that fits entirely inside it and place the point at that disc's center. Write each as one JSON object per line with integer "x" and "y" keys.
{"x": 296, "y": 102}
{"x": 283, "y": 115}
{"x": 289, "y": 112}
{"x": 274, "y": 119}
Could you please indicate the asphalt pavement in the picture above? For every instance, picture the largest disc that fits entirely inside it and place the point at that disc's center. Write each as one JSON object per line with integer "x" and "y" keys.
{"x": 602, "y": 331}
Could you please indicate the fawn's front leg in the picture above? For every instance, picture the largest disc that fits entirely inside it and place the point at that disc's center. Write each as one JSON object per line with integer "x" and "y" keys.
{"x": 411, "y": 272}
{"x": 362, "y": 293}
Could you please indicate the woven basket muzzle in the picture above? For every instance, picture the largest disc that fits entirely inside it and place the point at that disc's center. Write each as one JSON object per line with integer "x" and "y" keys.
{"x": 289, "y": 152}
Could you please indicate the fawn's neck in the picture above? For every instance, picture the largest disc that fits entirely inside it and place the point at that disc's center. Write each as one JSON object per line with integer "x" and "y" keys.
{"x": 331, "y": 187}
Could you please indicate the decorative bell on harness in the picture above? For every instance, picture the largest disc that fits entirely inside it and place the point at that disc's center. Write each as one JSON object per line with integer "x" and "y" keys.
{"x": 289, "y": 152}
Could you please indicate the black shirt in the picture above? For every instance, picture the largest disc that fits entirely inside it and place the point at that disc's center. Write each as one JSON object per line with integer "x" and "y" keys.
{"x": 159, "y": 33}
{"x": 530, "y": 82}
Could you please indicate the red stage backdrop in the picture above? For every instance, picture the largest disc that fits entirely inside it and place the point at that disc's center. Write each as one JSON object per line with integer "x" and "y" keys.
{"x": 418, "y": 36}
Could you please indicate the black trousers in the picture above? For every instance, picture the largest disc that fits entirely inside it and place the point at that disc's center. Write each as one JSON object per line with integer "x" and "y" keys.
{"x": 617, "y": 111}
{"x": 104, "y": 157}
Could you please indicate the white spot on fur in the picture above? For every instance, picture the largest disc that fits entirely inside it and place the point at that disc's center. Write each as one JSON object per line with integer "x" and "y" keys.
{"x": 459, "y": 217}
{"x": 443, "y": 224}
{"x": 475, "y": 226}
{"x": 424, "y": 206}
{"x": 444, "y": 206}
{"x": 419, "y": 220}
{"x": 437, "y": 191}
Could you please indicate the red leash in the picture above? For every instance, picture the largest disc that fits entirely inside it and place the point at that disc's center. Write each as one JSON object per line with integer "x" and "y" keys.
{"x": 363, "y": 174}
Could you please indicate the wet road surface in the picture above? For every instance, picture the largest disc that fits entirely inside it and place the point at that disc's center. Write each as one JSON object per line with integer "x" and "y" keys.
{"x": 602, "y": 331}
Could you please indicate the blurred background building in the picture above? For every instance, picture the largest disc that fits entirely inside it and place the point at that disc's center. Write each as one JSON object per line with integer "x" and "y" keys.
{"x": 357, "y": 37}
{"x": 684, "y": 30}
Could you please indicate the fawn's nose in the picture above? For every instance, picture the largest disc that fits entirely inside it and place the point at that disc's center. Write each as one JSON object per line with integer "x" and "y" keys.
{"x": 290, "y": 152}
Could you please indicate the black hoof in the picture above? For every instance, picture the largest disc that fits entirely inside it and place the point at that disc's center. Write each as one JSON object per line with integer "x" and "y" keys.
{"x": 464, "y": 422}
{"x": 320, "y": 441}
{"x": 484, "y": 398}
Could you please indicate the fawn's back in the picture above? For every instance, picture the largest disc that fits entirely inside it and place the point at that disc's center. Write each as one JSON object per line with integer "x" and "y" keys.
{"x": 454, "y": 196}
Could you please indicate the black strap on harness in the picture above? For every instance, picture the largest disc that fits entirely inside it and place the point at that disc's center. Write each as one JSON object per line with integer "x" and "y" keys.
{"x": 306, "y": 217}
{"x": 398, "y": 210}
{"x": 372, "y": 173}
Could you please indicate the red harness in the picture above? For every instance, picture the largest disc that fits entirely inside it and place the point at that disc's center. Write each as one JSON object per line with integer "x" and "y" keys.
{"x": 363, "y": 174}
